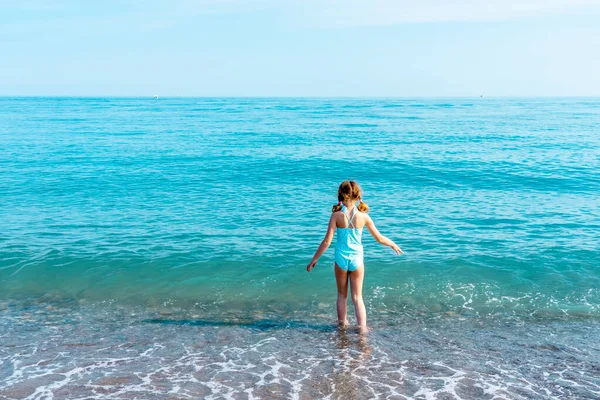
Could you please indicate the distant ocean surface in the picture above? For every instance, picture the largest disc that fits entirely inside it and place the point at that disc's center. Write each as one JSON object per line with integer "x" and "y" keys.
{"x": 157, "y": 248}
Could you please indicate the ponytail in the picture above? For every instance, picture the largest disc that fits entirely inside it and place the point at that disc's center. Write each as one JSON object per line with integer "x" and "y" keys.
{"x": 363, "y": 207}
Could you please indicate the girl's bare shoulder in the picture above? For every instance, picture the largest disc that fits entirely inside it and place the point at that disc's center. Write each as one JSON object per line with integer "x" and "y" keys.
{"x": 336, "y": 215}
{"x": 363, "y": 216}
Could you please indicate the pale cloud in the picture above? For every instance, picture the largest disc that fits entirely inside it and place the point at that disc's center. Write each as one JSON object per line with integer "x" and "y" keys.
{"x": 37, "y": 16}
{"x": 319, "y": 13}
{"x": 339, "y": 13}
{"x": 335, "y": 13}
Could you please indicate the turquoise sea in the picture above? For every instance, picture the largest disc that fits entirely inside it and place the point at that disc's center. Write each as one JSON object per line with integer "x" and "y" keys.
{"x": 156, "y": 249}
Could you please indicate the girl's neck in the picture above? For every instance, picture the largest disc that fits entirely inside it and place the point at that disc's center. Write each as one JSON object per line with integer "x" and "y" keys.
{"x": 349, "y": 204}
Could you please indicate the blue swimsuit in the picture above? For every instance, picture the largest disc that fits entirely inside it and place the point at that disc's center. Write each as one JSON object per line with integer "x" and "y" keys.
{"x": 348, "y": 247}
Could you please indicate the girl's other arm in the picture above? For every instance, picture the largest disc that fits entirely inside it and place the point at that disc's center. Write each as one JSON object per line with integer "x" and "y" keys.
{"x": 380, "y": 238}
{"x": 324, "y": 244}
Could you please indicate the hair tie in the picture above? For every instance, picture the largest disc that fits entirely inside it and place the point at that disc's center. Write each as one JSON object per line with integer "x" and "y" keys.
{"x": 339, "y": 203}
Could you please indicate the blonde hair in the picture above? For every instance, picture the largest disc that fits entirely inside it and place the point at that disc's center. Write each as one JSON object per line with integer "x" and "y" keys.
{"x": 350, "y": 191}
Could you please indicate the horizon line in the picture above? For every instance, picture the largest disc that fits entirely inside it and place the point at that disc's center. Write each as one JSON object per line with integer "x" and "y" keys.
{"x": 152, "y": 97}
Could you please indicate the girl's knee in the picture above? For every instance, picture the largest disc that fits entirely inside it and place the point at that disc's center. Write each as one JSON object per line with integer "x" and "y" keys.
{"x": 343, "y": 295}
{"x": 356, "y": 298}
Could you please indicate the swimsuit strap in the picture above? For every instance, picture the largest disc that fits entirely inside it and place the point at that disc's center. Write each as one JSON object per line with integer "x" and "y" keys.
{"x": 350, "y": 223}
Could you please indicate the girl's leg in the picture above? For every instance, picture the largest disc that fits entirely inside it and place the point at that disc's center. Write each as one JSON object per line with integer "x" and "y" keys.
{"x": 356, "y": 283}
{"x": 341, "y": 278}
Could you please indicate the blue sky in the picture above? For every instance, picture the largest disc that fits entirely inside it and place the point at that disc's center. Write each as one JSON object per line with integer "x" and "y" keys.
{"x": 300, "y": 48}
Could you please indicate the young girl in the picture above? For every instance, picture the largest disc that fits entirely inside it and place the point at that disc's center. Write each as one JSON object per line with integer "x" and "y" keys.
{"x": 349, "y": 217}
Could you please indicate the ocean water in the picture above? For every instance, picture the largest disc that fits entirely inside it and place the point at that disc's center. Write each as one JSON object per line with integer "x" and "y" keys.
{"x": 156, "y": 249}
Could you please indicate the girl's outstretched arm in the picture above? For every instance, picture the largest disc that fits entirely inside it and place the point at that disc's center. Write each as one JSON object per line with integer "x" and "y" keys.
{"x": 380, "y": 238}
{"x": 324, "y": 244}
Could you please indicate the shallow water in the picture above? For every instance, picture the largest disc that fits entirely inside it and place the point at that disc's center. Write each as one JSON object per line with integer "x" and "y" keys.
{"x": 107, "y": 351}
{"x": 157, "y": 248}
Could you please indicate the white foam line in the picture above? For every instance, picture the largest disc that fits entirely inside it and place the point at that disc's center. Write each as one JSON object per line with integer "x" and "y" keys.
{"x": 46, "y": 392}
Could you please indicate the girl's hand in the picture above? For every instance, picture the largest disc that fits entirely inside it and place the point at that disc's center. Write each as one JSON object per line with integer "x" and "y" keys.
{"x": 397, "y": 249}
{"x": 311, "y": 265}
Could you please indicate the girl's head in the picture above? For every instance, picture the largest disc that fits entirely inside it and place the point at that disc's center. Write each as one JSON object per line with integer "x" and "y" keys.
{"x": 348, "y": 192}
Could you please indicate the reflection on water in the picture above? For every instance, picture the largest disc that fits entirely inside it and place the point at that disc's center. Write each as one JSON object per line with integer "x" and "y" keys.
{"x": 349, "y": 338}
{"x": 352, "y": 355}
